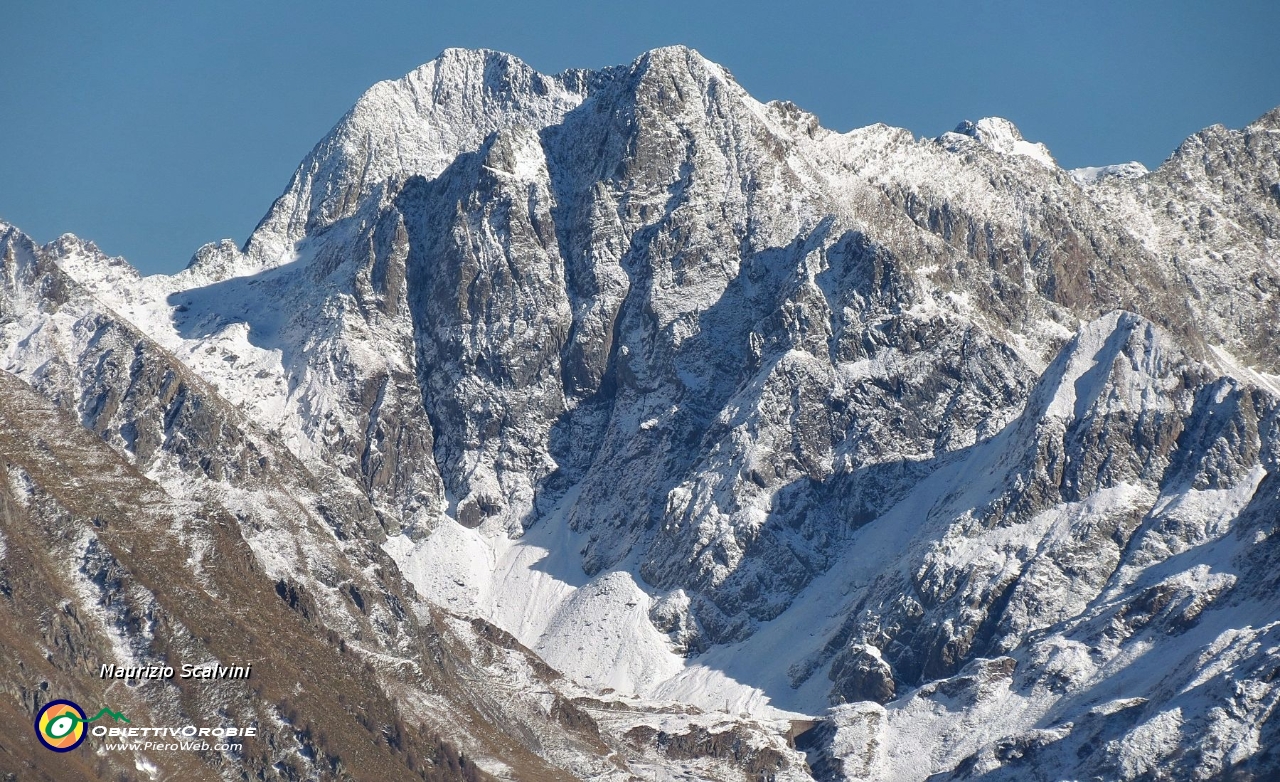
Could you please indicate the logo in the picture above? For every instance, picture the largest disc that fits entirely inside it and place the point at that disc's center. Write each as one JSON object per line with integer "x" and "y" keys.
{"x": 60, "y": 724}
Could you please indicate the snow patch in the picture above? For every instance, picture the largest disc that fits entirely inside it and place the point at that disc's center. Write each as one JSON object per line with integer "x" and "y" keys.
{"x": 1089, "y": 175}
{"x": 1003, "y": 136}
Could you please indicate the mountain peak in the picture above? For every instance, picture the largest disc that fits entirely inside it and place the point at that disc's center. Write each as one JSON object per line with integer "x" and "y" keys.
{"x": 70, "y": 243}
{"x": 86, "y": 262}
{"x": 10, "y": 234}
{"x": 463, "y": 53}
{"x": 1001, "y": 135}
{"x": 680, "y": 58}
{"x": 459, "y": 63}
{"x": 673, "y": 53}
{"x": 680, "y": 394}
{"x": 411, "y": 126}
{"x": 1268, "y": 121}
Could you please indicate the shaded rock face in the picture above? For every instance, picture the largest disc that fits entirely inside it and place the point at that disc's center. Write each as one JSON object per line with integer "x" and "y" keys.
{"x": 1123, "y": 409}
{"x": 602, "y": 321}
{"x": 861, "y": 674}
{"x": 987, "y": 430}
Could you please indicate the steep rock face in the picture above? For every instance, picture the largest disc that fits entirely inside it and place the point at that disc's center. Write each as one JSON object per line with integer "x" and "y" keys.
{"x": 1034, "y": 254}
{"x": 1212, "y": 215}
{"x": 1068, "y": 498}
{"x": 651, "y": 339}
{"x": 931, "y": 423}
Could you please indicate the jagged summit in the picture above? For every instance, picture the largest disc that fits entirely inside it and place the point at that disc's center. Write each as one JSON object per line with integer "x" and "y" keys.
{"x": 412, "y": 126}
{"x": 11, "y": 238}
{"x": 678, "y": 56}
{"x": 463, "y": 55}
{"x": 458, "y": 74}
{"x": 1003, "y": 136}
{"x": 416, "y": 125}
{"x": 1268, "y": 121}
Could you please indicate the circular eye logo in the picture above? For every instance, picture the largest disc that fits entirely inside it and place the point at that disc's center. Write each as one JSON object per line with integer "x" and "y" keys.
{"x": 60, "y": 725}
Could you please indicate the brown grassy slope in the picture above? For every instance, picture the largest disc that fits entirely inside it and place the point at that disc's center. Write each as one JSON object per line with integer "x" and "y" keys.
{"x": 92, "y": 549}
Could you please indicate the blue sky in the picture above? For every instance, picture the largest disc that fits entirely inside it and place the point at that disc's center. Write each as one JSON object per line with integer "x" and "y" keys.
{"x": 153, "y": 127}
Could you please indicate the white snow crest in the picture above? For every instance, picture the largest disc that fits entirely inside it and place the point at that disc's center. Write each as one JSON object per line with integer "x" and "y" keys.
{"x": 1001, "y": 135}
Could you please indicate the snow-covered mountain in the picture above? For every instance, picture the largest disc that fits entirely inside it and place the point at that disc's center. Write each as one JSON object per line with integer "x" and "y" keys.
{"x": 737, "y": 422}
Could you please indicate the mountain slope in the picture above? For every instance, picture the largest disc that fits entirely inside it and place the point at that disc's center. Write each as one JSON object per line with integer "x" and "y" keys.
{"x": 298, "y": 541}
